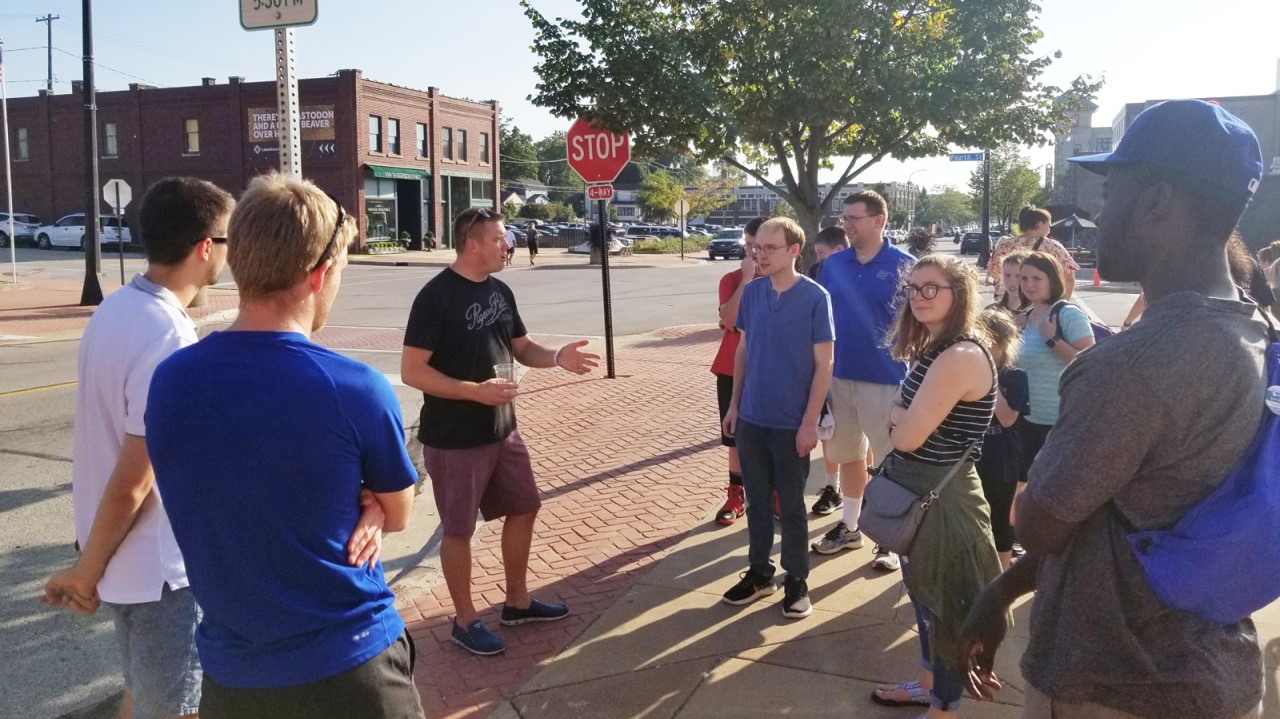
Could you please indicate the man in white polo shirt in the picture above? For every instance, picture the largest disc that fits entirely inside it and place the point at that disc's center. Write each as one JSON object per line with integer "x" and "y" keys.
{"x": 129, "y": 560}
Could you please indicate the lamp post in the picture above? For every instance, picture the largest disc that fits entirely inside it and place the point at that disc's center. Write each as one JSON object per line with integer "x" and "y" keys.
{"x": 911, "y": 209}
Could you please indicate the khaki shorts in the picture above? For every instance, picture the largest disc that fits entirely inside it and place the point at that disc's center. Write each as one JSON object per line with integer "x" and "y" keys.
{"x": 861, "y": 411}
{"x": 1039, "y": 706}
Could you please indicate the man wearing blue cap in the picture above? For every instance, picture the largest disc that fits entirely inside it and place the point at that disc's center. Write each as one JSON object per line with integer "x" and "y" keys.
{"x": 1152, "y": 421}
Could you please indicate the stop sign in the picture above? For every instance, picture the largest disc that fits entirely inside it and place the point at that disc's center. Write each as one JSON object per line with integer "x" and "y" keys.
{"x": 597, "y": 155}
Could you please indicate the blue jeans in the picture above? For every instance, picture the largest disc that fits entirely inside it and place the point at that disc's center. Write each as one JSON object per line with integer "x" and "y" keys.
{"x": 158, "y": 653}
{"x": 948, "y": 685}
{"x": 770, "y": 463}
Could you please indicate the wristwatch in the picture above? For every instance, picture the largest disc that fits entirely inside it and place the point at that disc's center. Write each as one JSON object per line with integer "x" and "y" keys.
{"x": 1051, "y": 342}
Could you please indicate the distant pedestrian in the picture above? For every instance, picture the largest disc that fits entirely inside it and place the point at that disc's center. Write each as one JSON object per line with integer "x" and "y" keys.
{"x": 463, "y": 324}
{"x": 1248, "y": 273}
{"x": 268, "y": 450}
{"x": 782, "y": 370}
{"x": 864, "y": 283}
{"x": 829, "y": 241}
{"x": 947, "y": 401}
{"x": 128, "y": 558}
{"x": 1152, "y": 421}
{"x": 531, "y": 241}
{"x": 1011, "y": 300}
{"x": 732, "y": 286}
{"x": 511, "y": 244}
{"x": 1033, "y": 236}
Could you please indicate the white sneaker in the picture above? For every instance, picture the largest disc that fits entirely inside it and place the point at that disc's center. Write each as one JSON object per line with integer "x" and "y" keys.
{"x": 885, "y": 560}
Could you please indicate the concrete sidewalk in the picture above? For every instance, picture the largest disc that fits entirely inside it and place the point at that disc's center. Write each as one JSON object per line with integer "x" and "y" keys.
{"x": 548, "y": 256}
{"x": 632, "y": 472}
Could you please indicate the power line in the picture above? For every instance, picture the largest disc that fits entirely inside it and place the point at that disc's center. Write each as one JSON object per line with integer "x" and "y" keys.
{"x": 112, "y": 69}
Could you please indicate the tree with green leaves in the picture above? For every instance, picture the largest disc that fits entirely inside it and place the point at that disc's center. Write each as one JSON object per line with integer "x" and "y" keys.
{"x": 790, "y": 89}
{"x": 944, "y": 206}
{"x": 1013, "y": 185}
{"x": 518, "y": 159}
{"x": 657, "y": 195}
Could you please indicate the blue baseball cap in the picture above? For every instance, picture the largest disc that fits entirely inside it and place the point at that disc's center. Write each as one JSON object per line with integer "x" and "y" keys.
{"x": 1197, "y": 140}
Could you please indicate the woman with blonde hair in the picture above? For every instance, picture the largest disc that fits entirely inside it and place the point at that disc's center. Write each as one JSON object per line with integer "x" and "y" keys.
{"x": 946, "y": 403}
{"x": 1002, "y": 466}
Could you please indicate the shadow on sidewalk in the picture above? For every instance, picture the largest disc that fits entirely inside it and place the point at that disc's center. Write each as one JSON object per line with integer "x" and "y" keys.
{"x": 622, "y": 471}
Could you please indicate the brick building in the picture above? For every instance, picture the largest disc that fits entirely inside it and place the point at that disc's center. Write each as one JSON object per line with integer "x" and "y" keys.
{"x": 400, "y": 160}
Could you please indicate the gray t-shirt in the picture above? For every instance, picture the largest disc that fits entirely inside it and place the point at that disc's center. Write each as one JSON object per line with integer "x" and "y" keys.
{"x": 1152, "y": 420}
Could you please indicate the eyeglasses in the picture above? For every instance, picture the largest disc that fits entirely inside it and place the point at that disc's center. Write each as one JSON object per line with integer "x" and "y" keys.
{"x": 481, "y": 214}
{"x": 850, "y": 219}
{"x": 342, "y": 219}
{"x": 769, "y": 249}
{"x": 928, "y": 291}
{"x": 219, "y": 240}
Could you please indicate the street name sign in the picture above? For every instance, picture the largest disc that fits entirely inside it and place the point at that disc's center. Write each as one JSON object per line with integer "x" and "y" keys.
{"x": 270, "y": 14}
{"x": 967, "y": 157}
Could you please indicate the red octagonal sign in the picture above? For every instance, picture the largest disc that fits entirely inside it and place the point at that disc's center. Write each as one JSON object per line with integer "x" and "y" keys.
{"x": 597, "y": 155}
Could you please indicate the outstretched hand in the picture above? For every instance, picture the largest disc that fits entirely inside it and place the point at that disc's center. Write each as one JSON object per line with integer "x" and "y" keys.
{"x": 571, "y": 358}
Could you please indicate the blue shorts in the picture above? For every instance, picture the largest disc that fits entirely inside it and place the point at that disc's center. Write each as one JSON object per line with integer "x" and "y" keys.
{"x": 158, "y": 653}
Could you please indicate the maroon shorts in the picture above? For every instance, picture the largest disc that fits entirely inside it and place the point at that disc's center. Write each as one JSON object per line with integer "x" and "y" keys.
{"x": 496, "y": 479}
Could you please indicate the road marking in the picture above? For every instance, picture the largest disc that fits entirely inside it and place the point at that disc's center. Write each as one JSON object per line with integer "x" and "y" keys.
{"x": 37, "y": 389}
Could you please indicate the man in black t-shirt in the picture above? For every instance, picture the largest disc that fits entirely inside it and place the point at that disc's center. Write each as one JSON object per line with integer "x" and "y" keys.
{"x": 463, "y": 323}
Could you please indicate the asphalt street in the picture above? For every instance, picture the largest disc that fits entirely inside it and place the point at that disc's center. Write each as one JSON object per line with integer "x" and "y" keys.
{"x": 57, "y": 663}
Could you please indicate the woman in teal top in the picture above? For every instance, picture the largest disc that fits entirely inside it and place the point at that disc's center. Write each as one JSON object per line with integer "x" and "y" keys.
{"x": 1050, "y": 339}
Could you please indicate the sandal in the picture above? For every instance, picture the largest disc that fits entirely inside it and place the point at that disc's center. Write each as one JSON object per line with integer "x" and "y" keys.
{"x": 917, "y": 696}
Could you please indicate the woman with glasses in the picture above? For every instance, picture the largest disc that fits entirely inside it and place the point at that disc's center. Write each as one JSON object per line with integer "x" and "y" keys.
{"x": 946, "y": 403}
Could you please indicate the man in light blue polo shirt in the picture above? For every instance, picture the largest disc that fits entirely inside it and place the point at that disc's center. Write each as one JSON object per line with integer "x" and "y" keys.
{"x": 863, "y": 283}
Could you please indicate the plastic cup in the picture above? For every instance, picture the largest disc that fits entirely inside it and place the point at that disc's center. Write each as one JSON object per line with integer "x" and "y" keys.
{"x": 506, "y": 371}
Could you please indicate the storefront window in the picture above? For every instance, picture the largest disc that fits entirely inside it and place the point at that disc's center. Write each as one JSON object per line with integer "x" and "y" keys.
{"x": 379, "y": 209}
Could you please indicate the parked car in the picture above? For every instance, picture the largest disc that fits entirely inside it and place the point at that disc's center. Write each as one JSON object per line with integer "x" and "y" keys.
{"x": 70, "y": 232}
{"x": 729, "y": 244}
{"x": 24, "y": 227}
{"x": 971, "y": 243}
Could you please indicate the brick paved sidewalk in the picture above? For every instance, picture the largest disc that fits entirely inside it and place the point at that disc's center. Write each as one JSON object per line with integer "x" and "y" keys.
{"x": 627, "y": 467}
{"x": 50, "y": 309}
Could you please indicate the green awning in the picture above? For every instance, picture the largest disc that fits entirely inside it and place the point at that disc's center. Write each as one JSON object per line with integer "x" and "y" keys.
{"x": 399, "y": 173}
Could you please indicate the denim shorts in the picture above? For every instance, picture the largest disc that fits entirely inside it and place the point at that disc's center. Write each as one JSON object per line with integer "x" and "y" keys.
{"x": 158, "y": 653}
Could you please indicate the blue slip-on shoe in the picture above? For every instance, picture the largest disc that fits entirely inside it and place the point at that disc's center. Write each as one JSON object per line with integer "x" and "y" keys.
{"x": 537, "y": 612}
{"x": 477, "y": 639}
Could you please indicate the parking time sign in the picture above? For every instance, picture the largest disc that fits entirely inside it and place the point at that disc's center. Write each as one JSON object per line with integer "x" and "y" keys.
{"x": 269, "y": 14}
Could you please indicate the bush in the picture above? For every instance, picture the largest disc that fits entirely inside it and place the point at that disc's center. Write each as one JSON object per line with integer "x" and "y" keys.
{"x": 383, "y": 247}
{"x": 669, "y": 246}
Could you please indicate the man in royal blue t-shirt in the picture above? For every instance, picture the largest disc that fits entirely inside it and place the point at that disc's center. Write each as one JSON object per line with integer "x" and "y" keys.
{"x": 266, "y": 448}
{"x": 863, "y": 282}
{"x": 464, "y": 323}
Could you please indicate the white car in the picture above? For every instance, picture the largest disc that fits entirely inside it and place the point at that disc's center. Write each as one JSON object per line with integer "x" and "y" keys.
{"x": 24, "y": 227}
{"x": 70, "y": 232}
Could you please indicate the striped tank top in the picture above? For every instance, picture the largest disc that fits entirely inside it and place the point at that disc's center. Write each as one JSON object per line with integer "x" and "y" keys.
{"x": 965, "y": 424}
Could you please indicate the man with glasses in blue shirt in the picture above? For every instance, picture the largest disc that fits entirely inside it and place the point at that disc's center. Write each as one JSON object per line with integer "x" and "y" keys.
{"x": 863, "y": 282}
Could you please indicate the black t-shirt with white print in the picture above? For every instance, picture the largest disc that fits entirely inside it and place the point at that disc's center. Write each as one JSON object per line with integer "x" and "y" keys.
{"x": 468, "y": 327}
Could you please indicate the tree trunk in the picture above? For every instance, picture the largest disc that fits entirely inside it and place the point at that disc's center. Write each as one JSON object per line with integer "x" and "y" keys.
{"x": 809, "y": 215}
{"x": 595, "y": 256}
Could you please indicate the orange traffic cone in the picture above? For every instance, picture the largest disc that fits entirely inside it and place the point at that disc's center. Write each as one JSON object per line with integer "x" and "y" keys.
{"x": 1097, "y": 279}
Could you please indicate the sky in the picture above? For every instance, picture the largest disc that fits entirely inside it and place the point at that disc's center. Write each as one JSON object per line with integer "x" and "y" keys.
{"x": 480, "y": 50}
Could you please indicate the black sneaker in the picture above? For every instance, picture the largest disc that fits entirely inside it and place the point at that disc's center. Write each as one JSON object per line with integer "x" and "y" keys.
{"x": 795, "y": 600}
{"x": 829, "y": 500}
{"x": 749, "y": 588}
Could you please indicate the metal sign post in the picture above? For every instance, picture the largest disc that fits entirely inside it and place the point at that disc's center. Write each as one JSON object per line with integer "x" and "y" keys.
{"x": 602, "y": 208}
{"x": 118, "y": 194}
{"x": 288, "y": 116}
{"x": 91, "y": 292}
{"x": 8, "y": 178}
{"x": 682, "y": 209}
{"x": 984, "y": 246}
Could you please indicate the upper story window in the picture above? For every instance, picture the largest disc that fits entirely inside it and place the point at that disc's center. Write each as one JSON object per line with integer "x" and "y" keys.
{"x": 191, "y": 129}
{"x": 110, "y": 148}
{"x": 462, "y": 145}
{"x": 484, "y": 147}
{"x": 375, "y": 133}
{"x": 446, "y": 143}
{"x": 422, "y": 140}
{"x": 24, "y": 150}
{"x": 393, "y": 136}
{"x": 1102, "y": 144}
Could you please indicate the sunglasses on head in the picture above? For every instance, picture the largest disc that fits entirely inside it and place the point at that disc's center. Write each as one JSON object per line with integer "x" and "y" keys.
{"x": 333, "y": 241}
{"x": 483, "y": 213}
